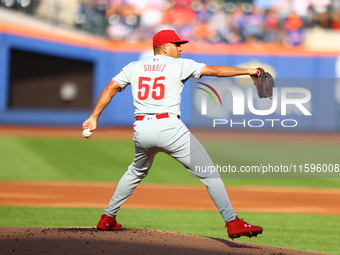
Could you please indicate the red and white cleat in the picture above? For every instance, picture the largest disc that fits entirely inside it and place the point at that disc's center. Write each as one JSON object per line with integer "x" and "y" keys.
{"x": 239, "y": 227}
{"x": 108, "y": 223}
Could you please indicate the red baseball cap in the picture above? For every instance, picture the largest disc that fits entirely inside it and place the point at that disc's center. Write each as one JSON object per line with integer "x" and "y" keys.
{"x": 167, "y": 36}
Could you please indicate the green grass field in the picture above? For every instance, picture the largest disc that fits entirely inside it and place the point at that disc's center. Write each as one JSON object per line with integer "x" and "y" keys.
{"x": 31, "y": 159}
{"x": 106, "y": 160}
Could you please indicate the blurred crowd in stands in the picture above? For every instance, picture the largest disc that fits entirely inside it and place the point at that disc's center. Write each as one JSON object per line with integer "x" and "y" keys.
{"x": 27, "y": 6}
{"x": 209, "y": 21}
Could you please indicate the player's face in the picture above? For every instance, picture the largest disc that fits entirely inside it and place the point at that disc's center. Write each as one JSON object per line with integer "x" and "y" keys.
{"x": 174, "y": 50}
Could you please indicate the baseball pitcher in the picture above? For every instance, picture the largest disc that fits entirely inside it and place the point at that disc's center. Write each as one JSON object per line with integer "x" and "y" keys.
{"x": 156, "y": 84}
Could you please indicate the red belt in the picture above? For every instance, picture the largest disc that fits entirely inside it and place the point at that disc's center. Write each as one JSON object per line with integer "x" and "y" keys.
{"x": 158, "y": 116}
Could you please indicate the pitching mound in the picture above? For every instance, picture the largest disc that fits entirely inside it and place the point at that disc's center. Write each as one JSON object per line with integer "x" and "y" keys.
{"x": 21, "y": 240}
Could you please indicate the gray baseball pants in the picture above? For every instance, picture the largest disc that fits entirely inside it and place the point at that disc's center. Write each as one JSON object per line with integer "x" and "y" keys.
{"x": 171, "y": 136}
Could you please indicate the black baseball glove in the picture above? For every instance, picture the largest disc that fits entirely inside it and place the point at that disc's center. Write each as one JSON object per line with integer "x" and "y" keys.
{"x": 264, "y": 83}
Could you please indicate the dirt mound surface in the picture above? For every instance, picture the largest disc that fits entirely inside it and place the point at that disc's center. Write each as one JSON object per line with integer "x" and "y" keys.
{"x": 53, "y": 241}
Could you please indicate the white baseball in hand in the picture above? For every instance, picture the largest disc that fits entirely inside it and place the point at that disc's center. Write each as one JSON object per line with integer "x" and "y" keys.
{"x": 87, "y": 133}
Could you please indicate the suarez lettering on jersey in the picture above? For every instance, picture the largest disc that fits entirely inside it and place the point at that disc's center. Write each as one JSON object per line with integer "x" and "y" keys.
{"x": 154, "y": 68}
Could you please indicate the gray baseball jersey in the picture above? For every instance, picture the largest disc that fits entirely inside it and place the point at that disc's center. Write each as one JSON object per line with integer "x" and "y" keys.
{"x": 157, "y": 83}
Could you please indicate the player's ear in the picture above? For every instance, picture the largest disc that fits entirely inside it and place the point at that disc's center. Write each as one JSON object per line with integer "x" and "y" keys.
{"x": 165, "y": 48}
